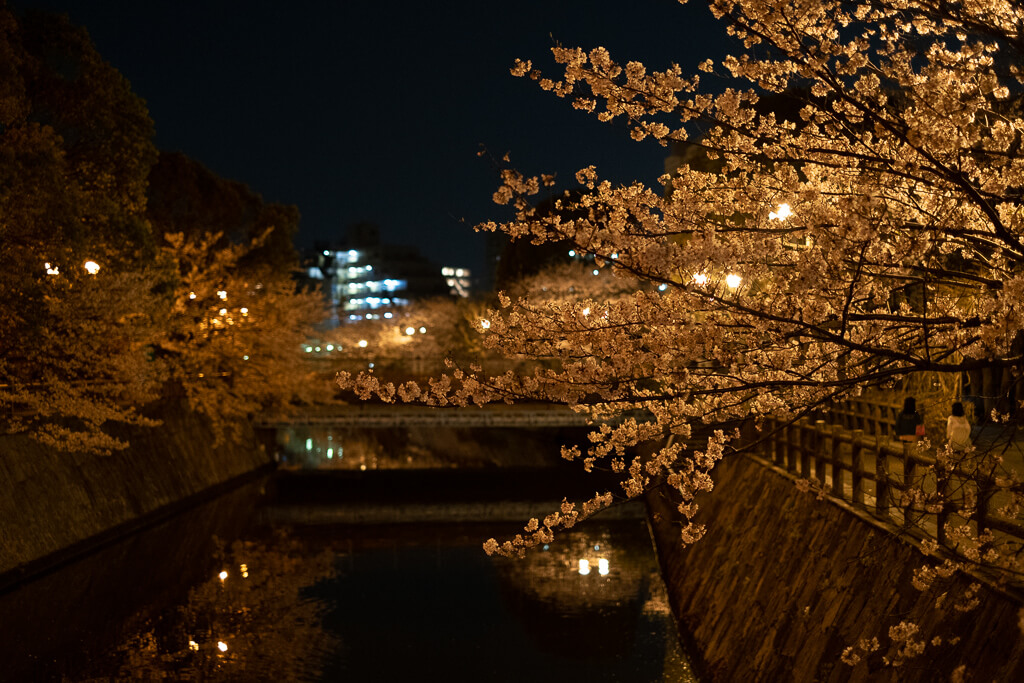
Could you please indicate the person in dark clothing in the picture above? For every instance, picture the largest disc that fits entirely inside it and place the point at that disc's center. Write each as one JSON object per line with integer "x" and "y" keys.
{"x": 909, "y": 423}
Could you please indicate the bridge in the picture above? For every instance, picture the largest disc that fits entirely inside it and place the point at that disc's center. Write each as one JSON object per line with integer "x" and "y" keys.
{"x": 386, "y": 416}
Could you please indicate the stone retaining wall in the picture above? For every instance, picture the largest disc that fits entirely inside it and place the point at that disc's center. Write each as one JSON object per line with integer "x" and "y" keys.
{"x": 50, "y": 501}
{"x": 782, "y": 583}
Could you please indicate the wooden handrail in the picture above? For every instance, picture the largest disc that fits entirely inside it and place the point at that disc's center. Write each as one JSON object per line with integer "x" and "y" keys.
{"x": 795, "y": 446}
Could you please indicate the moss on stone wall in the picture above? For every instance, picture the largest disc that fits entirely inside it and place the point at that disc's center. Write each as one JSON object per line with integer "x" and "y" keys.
{"x": 54, "y": 500}
{"x": 782, "y": 583}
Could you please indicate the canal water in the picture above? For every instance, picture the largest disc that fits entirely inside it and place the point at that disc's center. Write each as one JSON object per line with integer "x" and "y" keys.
{"x": 227, "y": 591}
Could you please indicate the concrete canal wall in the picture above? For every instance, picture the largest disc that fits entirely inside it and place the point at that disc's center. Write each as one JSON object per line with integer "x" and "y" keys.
{"x": 54, "y": 503}
{"x": 782, "y": 583}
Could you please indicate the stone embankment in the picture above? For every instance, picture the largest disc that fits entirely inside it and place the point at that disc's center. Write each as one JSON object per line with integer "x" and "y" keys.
{"x": 783, "y": 582}
{"x": 56, "y": 505}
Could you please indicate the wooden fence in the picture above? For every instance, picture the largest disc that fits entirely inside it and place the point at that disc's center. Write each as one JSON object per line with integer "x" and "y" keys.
{"x": 894, "y": 481}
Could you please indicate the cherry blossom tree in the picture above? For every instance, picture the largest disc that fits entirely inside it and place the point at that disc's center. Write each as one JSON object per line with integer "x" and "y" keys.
{"x": 846, "y": 214}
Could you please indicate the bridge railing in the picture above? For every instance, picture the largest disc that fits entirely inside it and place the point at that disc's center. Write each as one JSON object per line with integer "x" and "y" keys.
{"x": 894, "y": 481}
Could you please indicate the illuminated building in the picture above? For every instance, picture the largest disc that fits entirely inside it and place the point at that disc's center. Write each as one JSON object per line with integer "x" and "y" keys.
{"x": 367, "y": 280}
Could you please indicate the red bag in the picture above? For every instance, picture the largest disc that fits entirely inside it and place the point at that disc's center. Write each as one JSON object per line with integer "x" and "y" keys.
{"x": 919, "y": 430}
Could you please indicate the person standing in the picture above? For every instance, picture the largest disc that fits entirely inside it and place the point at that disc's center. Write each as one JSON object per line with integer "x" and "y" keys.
{"x": 958, "y": 429}
{"x": 909, "y": 423}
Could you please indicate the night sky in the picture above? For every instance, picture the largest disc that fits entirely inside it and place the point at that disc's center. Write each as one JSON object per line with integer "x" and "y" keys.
{"x": 376, "y": 110}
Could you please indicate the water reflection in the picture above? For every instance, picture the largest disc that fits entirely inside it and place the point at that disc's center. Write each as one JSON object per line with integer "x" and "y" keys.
{"x": 251, "y": 621}
{"x": 385, "y": 603}
{"x": 418, "y": 447}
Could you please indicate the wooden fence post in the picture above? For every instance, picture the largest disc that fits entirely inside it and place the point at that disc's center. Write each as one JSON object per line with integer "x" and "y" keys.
{"x": 857, "y": 472}
{"x": 882, "y": 494}
{"x": 985, "y": 487}
{"x": 805, "y": 437}
{"x": 941, "y": 487}
{"x": 819, "y": 457}
{"x": 789, "y": 447}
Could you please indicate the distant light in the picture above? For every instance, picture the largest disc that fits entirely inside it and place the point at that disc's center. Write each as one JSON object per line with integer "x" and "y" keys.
{"x": 486, "y": 324}
{"x": 733, "y": 280}
{"x": 781, "y": 214}
{"x": 602, "y": 567}
{"x": 222, "y": 294}
{"x": 330, "y": 347}
{"x": 309, "y": 444}
{"x": 584, "y": 567}
{"x": 222, "y": 311}
{"x": 243, "y": 311}
{"x": 362, "y": 343}
{"x": 459, "y": 272}
{"x": 596, "y": 271}
{"x": 191, "y": 295}
{"x": 615, "y": 255}
{"x": 91, "y": 267}
{"x": 330, "y": 453}
{"x": 369, "y": 268}
{"x": 546, "y": 546}
{"x": 222, "y": 646}
{"x": 244, "y": 568}
{"x": 223, "y": 575}
{"x": 700, "y": 278}
{"x": 586, "y": 311}
{"x": 423, "y": 330}
{"x": 662, "y": 287}
{"x": 370, "y": 366}
{"x": 362, "y": 467}
{"x": 410, "y": 331}
{"x": 309, "y": 349}
{"x": 51, "y": 271}
{"x": 245, "y": 357}
{"x": 193, "y": 645}
{"x": 572, "y": 253}
{"x": 317, "y": 349}
{"x": 388, "y": 315}
{"x": 326, "y": 253}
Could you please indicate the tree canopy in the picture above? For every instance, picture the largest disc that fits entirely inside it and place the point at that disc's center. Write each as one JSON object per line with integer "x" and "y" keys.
{"x": 848, "y": 214}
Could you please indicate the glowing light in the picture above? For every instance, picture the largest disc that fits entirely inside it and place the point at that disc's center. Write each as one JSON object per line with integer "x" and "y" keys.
{"x": 410, "y": 331}
{"x": 781, "y": 214}
{"x": 193, "y": 645}
{"x": 662, "y": 287}
{"x": 486, "y": 324}
{"x": 222, "y": 646}
{"x": 222, "y": 311}
{"x": 309, "y": 349}
{"x": 362, "y": 343}
{"x": 584, "y": 567}
{"x": 362, "y": 467}
{"x": 223, "y": 575}
{"x": 309, "y": 444}
{"x": 222, "y": 294}
{"x": 572, "y": 253}
{"x": 388, "y": 315}
{"x": 330, "y": 453}
{"x": 615, "y": 255}
{"x": 423, "y": 330}
{"x": 733, "y": 280}
{"x": 191, "y": 295}
{"x": 245, "y": 357}
{"x": 602, "y": 567}
{"x": 326, "y": 253}
{"x": 244, "y": 568}
{"x": 51, "y": 271}
{"x": 596, "y": 271}
{"x": 330, "y": 347}
{"x": 91, "y": 267}
{"x": 586, "y": 311}
{"x": 700, "y": 278}
{"x": 317, "y": 349}
{"x": 243, "y": 311}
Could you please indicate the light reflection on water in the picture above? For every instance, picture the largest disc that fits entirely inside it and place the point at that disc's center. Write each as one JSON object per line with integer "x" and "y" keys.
{"x": 398, "y": 603}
